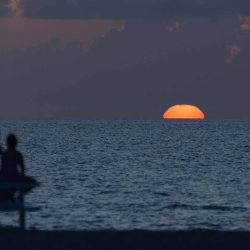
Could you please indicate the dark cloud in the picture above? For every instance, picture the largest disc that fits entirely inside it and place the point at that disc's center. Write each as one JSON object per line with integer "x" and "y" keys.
{"x": 132, "y": 9}
{"x": 4, "y": 8}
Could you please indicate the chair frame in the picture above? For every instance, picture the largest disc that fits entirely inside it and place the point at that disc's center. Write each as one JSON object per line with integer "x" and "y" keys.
{"x": 19, "y": 204}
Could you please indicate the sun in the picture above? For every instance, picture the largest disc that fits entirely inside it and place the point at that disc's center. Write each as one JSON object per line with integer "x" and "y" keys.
{"x": 183, "y": 111}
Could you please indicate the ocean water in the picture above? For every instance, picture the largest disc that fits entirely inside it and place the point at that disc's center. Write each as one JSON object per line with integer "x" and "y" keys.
{"x": 135, "y": 174}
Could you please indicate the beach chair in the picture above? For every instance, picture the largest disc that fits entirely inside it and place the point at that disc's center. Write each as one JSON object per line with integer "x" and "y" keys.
{"x": 18, "y": 205}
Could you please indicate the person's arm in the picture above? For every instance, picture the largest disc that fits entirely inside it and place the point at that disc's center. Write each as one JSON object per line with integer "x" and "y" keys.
{"x": 22, "y": 168}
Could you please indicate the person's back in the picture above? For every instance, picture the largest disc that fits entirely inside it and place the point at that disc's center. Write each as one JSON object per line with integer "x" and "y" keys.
{"x": 12, "y": 160}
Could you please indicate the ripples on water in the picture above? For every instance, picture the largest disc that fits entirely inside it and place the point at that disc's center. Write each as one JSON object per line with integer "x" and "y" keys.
{"x": 123, "y": 174}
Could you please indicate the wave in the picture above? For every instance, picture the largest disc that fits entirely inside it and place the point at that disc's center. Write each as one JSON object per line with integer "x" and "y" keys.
{"x": 206, "y": 207}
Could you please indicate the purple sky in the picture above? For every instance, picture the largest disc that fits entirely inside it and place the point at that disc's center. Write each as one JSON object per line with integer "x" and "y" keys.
{"x": 98, "y": 59}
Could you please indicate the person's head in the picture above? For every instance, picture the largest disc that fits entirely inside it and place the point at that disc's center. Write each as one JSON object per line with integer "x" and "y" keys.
{"x": 11, "y": 141}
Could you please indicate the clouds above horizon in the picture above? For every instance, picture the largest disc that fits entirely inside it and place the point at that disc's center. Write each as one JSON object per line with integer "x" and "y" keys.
{"x": 125, "y": 9}
{"x": 61, "y": 61}
{"x": 135, "y": 73}
{"x": 23, "y": 33}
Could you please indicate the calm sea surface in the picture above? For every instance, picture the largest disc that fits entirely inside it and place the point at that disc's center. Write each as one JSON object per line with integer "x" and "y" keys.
{"x": 125, "y": 174}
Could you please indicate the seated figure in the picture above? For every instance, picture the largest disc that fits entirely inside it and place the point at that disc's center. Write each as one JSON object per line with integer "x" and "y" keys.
{"x": 13, "y": 170}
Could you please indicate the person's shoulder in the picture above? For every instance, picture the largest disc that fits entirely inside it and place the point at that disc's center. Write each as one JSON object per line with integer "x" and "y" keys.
{"x": 19, "y": 154}
{"x": 12, "y": 153}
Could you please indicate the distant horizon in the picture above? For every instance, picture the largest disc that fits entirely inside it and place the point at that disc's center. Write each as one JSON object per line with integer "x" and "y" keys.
{"x": 121, "y": 118}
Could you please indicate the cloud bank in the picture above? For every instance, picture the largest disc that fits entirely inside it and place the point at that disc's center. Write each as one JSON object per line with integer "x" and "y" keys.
{"x": 132, "y": 9}
{"x": 135, "y": 73}
{"x": 35, "y": 32}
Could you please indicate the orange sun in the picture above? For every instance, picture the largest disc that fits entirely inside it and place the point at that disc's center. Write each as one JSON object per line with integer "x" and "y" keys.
{"x": 183, "y": 111}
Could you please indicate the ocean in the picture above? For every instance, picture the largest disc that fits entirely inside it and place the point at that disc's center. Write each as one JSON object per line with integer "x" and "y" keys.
{"x": 135, "y": 174}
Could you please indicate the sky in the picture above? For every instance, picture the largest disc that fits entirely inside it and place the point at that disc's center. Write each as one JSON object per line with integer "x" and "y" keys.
{"x": 124, "y": 59}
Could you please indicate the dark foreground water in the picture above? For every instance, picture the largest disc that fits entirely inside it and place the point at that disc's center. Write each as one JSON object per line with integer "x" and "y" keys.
{"x": 120, "y": 174}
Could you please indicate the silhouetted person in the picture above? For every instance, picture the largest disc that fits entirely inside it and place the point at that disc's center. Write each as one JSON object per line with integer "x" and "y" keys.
{"x": 12, "y": 164}
{"x": 12, "y": 169}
